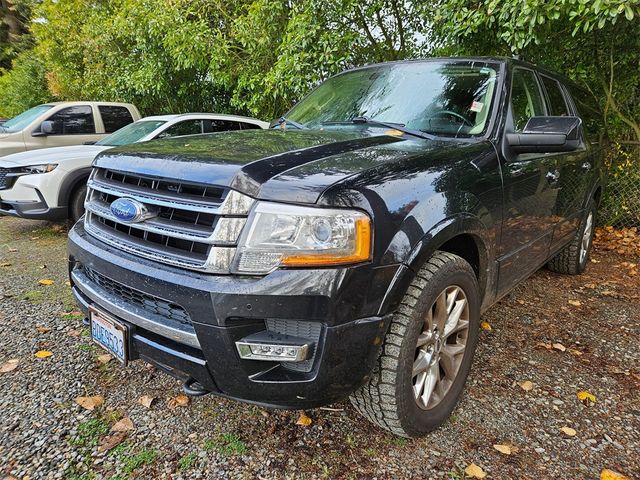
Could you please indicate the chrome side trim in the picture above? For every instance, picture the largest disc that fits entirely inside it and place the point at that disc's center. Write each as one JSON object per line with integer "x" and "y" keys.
{"x": 133, "y": 314}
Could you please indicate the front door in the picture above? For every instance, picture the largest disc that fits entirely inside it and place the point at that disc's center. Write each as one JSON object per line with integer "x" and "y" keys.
{"x": 530, "y": 189}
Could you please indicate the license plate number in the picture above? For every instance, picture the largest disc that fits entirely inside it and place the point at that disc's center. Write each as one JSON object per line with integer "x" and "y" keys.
{"x": 109, "y": 334}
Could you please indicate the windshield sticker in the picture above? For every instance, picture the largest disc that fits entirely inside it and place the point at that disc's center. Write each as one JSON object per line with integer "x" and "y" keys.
{"x": 476, "y": 106}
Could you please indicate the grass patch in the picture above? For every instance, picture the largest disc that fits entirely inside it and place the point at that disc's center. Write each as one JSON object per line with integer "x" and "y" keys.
{"x": 87, "y": 347}
{"x": 34, "y": 296}
{"x": 399, "y": 441}
{"x": 187, "y": 462}
{"x": 137, "y": 460}
{"x": 89, "y": 433}
{"x": 228, "y": 444}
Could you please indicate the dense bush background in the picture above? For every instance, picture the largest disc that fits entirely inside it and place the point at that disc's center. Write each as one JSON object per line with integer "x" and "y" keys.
{"x": 260, "y": 56}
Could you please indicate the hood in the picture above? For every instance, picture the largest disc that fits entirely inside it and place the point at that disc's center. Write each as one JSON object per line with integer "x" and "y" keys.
{"x": 51, "y": 155}
{"x": 291, "y": 166}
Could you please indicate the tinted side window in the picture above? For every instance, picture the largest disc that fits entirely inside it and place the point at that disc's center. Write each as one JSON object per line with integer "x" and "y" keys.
{"x": 224, "y": 125}
{"x": 526, "y": 98}
{"x": 114, "y": 118}
{"x": 249, "y": 126}
{"x": 589, "y": 112}
{"x": 188, "y": 127}
{"x": 557, "y": 104}
{"x": 73, "y": 121}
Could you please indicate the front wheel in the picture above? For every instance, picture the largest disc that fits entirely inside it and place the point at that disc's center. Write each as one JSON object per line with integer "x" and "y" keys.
{"x": 76, "y": 203}
{"x": 427, "y": 352}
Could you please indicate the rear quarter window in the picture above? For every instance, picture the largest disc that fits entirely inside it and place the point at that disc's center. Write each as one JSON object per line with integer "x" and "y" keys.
{"x": 114, "y": 117}
{"x": 589, "y": 111}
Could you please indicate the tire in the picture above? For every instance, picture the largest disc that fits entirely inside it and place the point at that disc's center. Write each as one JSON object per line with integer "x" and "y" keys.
{"x": 388, "y": 399}
{"x": 573, "y": 259}
{"x": 76, "y": 203}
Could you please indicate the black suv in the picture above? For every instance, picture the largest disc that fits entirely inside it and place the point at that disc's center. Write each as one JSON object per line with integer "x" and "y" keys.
{"x": 350, "y": 249}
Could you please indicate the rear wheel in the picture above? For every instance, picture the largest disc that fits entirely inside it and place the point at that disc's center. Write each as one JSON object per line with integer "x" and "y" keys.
{"x": 572, "y": 259}
{"x": 76, "y": 203}
{"x": 427, "y": 353}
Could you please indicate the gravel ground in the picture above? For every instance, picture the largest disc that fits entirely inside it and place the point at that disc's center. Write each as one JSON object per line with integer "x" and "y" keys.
{"x": 44, "y": 434}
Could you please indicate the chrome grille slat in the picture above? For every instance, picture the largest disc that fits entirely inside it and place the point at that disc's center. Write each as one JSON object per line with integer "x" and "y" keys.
{"x": 200, "y": 235}
{"x": 152, "y": 199}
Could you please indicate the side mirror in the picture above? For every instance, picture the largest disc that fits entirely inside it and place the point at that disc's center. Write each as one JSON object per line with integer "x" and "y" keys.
{"x": 46, "y": 128}
{"x": 547, "y": 134}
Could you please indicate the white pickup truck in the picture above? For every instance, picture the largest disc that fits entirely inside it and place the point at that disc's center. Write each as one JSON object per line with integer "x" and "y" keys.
{"x": 63, "y": 123}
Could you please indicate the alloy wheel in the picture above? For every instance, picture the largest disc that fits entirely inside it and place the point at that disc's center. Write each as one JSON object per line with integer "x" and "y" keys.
{"x": 586, "y": 238}
{"x": 440, "y": 347}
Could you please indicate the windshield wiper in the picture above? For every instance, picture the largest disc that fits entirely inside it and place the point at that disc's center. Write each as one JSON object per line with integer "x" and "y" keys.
{"x": 286, "y": 121}
{"x": 393, "y": 125}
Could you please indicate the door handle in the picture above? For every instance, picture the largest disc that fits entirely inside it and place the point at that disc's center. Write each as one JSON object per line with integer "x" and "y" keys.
{"x": 586, "y": 166}
{"x": 553, "y": 176}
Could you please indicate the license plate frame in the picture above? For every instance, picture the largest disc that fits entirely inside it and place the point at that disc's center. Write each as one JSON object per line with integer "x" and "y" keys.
{"x": 109, "y": 328}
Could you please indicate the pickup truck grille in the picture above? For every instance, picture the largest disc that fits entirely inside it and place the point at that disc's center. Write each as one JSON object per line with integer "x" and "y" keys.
{"x": 193, "y": 226}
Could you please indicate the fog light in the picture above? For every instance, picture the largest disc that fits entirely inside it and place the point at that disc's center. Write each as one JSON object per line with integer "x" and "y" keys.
{"x": 274, "y": 347}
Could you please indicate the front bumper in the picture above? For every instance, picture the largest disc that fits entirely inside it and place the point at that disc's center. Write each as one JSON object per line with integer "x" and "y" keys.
{"x": 222, "y": 309}
{"x": 25, "y": 197}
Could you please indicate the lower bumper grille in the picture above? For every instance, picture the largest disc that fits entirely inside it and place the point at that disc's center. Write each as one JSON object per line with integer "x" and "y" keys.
{"x": 150, "y": 303}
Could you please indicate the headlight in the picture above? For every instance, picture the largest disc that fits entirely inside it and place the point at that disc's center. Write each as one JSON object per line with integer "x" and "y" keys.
{"x": 46, "y": 168}
{"x": 279, "y": 235}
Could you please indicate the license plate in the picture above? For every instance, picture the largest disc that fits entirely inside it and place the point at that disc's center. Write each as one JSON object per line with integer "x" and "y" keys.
{"x": 109, "y": 334}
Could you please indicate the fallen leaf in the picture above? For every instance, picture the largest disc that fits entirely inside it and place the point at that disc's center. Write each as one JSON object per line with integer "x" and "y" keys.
{"x": 42, "y": 266}
{"x": 74, "y": 333}
{"x": 527, "y": 386}
{"x": 123, "y": 425}
{"x": 575, "y": 352}
{"x": 6, "y": 264}
{"x": 9, "y": 365}
{"x": 72, "y": 313}
{"x": 43, "y": 354}
{"x": 559, "y": 346}
{"x": 585, "y": 396}
{"x": 146, "y": 400}
{"x": 179, "y": 401}
{"x": 575, "y": 303}
{"x": 89, "y": 403}
{"x": 568, "y": 431}
{"x": 474, "y": 471}
{"x": 42, "y": 329}
{"x": 112, "y": 441}
{"x": 607, "y": 474}
{"x": 45, "y": 281}
{"x": 304, "y": 420}
{"x": 548, "y": 346}
{"x": 13, "y": 250}
{"x": 486, "y": 326}
{"x": 67, "y": 283}
{"x": 505, "y": 449}
{"x": 105, "y": 358}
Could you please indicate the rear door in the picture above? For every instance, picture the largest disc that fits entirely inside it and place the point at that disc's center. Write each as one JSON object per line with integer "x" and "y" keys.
{"x": 530, "y": 189}
{"x": 575, "y": 170}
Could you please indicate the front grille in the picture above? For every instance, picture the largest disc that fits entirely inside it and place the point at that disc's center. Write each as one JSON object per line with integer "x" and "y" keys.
{"x": 193, "y": 226}
{"x": 147, "y": 302}
{"x": 7, "y": 177}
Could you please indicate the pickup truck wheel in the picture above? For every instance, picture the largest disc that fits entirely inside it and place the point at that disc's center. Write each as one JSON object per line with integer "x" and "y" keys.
{"x": 76, "y": 203}
{"x": 572, "y": 259}
{"x": 427, "y": 352}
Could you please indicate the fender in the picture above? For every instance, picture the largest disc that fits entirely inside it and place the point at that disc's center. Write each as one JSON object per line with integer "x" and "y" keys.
{"x": 69, "y": 184}
{"x": 445, "y": 230}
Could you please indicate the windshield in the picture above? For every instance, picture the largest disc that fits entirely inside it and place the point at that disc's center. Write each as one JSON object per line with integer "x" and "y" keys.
{"x": 19, "y": 122}
{"x": 452, "y": 99}
{"x": 132, "y": 133}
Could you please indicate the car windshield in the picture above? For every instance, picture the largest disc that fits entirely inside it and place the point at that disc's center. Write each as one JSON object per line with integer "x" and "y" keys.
{"x": 450, "y": 99}
{"x": 132, "y": 133}
{"x": 19, "y": 122}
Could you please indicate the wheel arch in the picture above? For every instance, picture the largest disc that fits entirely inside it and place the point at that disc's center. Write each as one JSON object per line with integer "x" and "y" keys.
{"x": 463, "y": 235}
{"x": 69, "y": 185}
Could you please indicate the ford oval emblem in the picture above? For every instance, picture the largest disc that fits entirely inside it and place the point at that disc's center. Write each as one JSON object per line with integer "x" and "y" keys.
{"x": 129, "y": 210}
